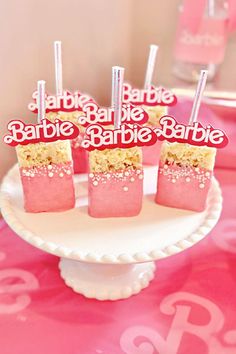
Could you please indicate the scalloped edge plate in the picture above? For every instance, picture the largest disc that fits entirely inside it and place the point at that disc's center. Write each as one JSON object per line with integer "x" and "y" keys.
{"x": 156, "y": 233}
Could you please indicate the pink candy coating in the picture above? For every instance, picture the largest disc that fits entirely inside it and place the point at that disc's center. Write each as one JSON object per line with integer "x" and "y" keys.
{"x": 80, "y": 159}
{"x": 151, "y": 154}
{"x": 115, "y": 194}
{"x": 183, "y": 187}
{"x": 79, "y": 156}
{"x": 48, "y": 188}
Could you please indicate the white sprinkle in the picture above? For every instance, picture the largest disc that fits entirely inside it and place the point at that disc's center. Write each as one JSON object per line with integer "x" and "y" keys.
{"x": 173, "y": 180}
{"x": 207, "y": 174}
{"x": 108, "y": 175}
{"x": 132, "y": 179}
{"x": 165, "y": 167}
{"x": 68, "y": 172}
{"x": 27, "y": 174}
{"x": 50, "y": 174}
{"x": 32, "y": 175}
{"x": 188, "y": 179}
{"x": 91, "y": 175}
{"x": 138, "y": 172}
{"x": 140, "y": 176}
{"x": 61, "y": 174}
{"x": 197, "y": 169}
{"x": 24, "y": 171}
{"x": 125, "y": 189}
{"x": 201, "y": 185}
{"x": 49, "y": 167}
{"x": 95, "y": 183}
{"x": 126, "y": 173}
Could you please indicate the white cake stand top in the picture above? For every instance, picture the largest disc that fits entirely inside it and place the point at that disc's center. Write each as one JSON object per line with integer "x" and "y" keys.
{"x": 156, "y": 233}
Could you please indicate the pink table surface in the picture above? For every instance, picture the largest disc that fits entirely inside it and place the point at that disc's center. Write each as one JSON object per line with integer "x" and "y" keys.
{"x": 189, "y": 308}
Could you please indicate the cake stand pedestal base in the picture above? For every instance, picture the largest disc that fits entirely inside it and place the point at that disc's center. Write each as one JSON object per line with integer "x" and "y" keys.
{"x": 106, "y": 281}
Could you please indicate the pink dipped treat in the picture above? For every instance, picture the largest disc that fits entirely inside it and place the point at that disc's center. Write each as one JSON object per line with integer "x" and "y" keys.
{"x": 79, "y": 154}
{"x": 46, "y": 171}
{"x": 115, "y": 183}
{"x": 151, "y": 154}
{"x": 184, "y": 176}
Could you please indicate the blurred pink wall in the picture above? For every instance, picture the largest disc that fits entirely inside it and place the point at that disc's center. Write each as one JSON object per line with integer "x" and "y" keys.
{"x": 95, "y": 35}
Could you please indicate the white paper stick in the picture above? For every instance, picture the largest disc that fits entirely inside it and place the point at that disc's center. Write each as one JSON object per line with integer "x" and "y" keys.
{"x": 58, "y": 68}
{"x": 211, "y": 8}
{"x": 117, "y": 93}
{"x": 113, "y": 87}
{"x": 41, "y": 102}
{"x": 150, "y": 66}
{"x": 198, "y": 96}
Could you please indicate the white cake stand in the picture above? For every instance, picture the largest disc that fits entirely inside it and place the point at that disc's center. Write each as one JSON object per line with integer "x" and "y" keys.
{"x": 108, "y": 259}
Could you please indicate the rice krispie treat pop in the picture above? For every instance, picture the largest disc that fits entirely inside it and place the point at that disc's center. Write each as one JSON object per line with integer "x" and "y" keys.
{"x": 116, "y": 175}
{"x": 46, "y": 171}
{"x": 79, "y": 154}
{"x": 151, "y": 154}
{"x": 185, "y": 171}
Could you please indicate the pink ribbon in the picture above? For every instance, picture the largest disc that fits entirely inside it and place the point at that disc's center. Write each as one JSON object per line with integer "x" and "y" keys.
{"x": 193, "y": 12}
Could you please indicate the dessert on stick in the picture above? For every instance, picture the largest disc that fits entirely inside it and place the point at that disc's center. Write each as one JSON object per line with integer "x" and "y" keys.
{"x": 116, "y": 175}
{"x": 79, "y": 155}
{"x": 151, "y": 153}
{"x": 46, "y": 171}
{"x": 185, "y": 171}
